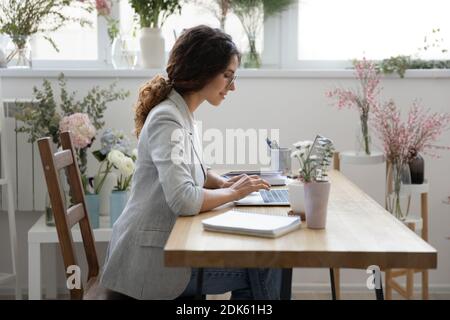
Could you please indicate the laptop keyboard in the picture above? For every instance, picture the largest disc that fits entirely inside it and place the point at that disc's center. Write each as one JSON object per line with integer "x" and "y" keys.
{"x": 274, "y": 196}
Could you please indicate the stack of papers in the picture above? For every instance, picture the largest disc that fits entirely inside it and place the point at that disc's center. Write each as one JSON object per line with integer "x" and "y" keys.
{"x": 253, "y": 224}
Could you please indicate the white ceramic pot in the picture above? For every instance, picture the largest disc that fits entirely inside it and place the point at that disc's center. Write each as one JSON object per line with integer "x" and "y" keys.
{"x": 316, "y": 204}
{"x": 297, "y": 196}
{"x": 108, "y": 186}
{"x": 152, "y": 48}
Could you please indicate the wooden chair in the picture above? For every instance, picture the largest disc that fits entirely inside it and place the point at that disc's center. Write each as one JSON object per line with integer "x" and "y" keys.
{"x": 65, "y": 219}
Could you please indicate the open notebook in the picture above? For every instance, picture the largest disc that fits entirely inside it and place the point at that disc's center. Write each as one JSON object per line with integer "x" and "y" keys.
{"x": 253, "y": 224}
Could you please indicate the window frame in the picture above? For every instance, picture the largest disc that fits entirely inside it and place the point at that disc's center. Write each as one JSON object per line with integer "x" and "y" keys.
{"x": 281, "y": 45}
{"x": 103, "y": 56}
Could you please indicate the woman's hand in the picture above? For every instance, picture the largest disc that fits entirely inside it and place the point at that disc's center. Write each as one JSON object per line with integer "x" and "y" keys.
{"x": 243, "y": 185}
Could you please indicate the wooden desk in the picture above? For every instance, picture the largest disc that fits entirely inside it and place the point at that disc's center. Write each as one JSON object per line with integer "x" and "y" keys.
{"x": 359, "y": 233}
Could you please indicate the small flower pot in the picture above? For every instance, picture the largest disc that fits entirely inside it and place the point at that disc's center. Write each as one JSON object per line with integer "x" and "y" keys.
{"x": 297, "y": 196}
{"x": 316, "y": 204}
{"x": 117, "y": 203}
{"x": 93, "y": 205}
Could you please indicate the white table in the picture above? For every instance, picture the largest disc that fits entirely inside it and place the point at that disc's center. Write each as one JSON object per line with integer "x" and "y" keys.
{"x": 39, "y": 234}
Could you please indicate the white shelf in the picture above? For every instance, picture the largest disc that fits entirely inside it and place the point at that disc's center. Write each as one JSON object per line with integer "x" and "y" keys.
{"x": 354, "y": 157}
{"x": 410, "y": 189}
{"x": 41, "y": 233}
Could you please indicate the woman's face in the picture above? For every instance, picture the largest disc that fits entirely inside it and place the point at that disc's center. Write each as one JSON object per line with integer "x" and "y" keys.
{"x": 215, "y": 91}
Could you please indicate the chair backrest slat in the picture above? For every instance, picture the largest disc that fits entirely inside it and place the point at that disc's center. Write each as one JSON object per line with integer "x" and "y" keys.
{"x": 75, "y": 214}
{"x": 52, "y": 163}
{"x": 63, "y": 159}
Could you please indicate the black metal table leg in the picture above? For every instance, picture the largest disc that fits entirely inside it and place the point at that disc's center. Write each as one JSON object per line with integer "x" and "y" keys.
{"x": 199, "y": 295}
{"x": 333, "y": 287}
{"x": 286, "y": 284}
{"x": 378, "y": 285}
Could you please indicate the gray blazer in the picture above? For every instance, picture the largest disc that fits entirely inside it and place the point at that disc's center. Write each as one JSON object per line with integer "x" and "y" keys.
{"x": 161, "y": 190}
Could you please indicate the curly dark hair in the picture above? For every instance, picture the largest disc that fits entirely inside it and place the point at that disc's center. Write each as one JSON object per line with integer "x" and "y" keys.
{"x": 198, "y": 55}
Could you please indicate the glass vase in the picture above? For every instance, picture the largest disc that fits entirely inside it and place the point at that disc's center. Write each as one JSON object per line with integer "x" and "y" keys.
{"x": 397, "y": 201}
{"x": 19, "y": 52}
{"x": 252, "y": 58}
{"x": 363, "y": 142}
{"x": 122, "y": 54}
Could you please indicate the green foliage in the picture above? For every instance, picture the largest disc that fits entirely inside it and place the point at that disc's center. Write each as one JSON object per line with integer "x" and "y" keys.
{"x": 252, "y": 13}
{"x": 272, "y": 7}
{"x": 400, "y": 64}
{"x": 153, "y": 13}
{"x": 20, "y": 19}
{"x": 42, "y": 118}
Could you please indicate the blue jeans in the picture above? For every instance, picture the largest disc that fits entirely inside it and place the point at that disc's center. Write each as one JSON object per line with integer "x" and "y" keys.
{"x": 244, "y": 284}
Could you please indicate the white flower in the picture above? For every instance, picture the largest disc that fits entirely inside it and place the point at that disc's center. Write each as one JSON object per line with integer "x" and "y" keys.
{"x": 297, "y": 153}
{"x": 115, "y": 157}
{"x": 126, "y": 166}
{"x": 303, "y": 144}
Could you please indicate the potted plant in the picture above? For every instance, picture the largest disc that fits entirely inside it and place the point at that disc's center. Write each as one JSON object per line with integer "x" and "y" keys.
{"x": 20, "y": 19}
{"x": 401, "y": 140}
{"x": 46, "y": 118}
{"x": 152, "y": 14}
{"x": 363, "y": 99}
{"x": 105, "y": 179}
{"x": 119, "y": 197}
{"x": 314, "y": 159}
{"x": 252, "y": 13}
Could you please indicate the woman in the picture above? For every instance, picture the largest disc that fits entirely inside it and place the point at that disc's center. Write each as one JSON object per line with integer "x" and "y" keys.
{"x": 201, "y": 66}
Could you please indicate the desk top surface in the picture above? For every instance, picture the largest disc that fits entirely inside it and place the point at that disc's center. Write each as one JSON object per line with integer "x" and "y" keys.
{"x": 359, "y": 233}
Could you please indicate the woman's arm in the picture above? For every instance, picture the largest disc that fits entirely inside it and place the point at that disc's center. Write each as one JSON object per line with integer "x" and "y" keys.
{"x": 239, "y": 188}
{"x": 214, "y": 181}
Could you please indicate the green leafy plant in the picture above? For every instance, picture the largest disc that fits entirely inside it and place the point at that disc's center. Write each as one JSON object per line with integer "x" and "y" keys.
{"x": 314, "y": 158}
{"x": 20, "y": 19}
{"x": 153, "y": 13}
{"x": 42, "y": 118}
{"x": 252, "y": 13}
{"x": 400, "y": 63}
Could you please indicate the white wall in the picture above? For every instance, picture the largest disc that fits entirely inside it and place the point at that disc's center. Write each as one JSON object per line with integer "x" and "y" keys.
{"x": 295, "y": 103}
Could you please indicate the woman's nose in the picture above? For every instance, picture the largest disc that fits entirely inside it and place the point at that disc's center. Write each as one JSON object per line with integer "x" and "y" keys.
{"x": 232, "y": 87}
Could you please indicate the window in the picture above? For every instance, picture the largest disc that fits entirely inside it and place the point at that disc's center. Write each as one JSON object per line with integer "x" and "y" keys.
{"x": 191, "y": 15}
{"x": 330, "y": 30}
{"x": 73, "y": 41}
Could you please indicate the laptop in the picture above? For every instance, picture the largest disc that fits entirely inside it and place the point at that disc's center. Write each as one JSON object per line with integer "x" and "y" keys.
{"x": 275, "y": 197}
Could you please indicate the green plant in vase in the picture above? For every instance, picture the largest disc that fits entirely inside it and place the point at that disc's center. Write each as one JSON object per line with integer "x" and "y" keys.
{"x": 21, "y": 19}
{"x": 252, "y": 13}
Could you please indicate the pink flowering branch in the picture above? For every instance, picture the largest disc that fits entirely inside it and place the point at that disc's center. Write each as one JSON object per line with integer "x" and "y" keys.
{"x": 402, "y": 140}
{"x": 362, "y": 99}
